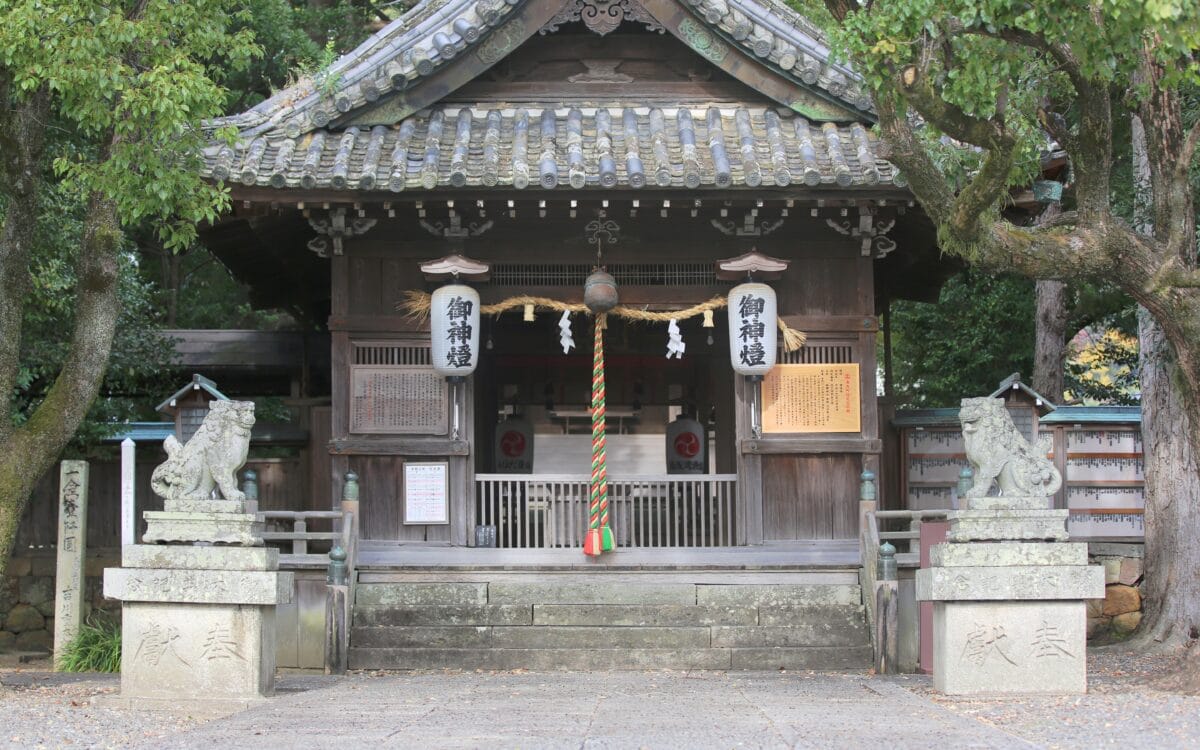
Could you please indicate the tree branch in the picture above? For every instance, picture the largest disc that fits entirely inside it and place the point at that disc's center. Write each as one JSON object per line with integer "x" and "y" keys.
{"x": 950, "y": 119}
{"x": 927, "y": 182}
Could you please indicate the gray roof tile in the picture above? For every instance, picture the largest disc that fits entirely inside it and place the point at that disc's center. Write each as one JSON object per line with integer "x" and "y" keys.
{"x": 554, "y": 146}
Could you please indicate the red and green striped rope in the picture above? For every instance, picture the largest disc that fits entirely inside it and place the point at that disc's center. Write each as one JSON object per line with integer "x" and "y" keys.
{"x": 599, "y": 536}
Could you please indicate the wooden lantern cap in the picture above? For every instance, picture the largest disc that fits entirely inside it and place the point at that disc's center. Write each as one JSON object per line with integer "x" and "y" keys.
{"x": 456, "y": 265}
{"x": 753, "y": 262}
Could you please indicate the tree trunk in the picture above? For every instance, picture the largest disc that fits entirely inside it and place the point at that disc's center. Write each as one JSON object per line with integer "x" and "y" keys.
{"x": 1050, "y": 343}
{"x": 1171, "y": 587}
{"x": 27, "y": 452}
{"x": 1172, "y": 571}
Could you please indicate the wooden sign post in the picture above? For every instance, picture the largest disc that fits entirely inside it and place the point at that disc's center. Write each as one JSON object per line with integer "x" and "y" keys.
{"x": 72, "y": 542}
{"x": 128, "y": 499}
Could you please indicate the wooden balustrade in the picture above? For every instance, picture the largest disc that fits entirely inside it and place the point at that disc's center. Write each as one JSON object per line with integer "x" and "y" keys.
{"x": 545, "y": 511}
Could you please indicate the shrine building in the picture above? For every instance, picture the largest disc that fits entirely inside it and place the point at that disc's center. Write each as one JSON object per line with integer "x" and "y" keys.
{"x": 512, "y": 148}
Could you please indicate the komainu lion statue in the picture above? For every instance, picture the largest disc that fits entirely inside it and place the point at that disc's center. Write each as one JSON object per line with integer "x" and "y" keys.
{"x": 210, "y": 458}
{"x": 997, "y": 452}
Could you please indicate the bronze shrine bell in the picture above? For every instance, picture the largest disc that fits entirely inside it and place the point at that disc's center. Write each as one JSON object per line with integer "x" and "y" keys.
{"x": 600, "y": 291}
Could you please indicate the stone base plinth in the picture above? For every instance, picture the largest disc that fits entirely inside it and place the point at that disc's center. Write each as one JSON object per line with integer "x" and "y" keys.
{"x": 214, "y": 527}
{"x": 1007, "y": 524}
{"x": 197, "y": 625}
{"x": 1040, "y": 582}
{"x": 179, "y": 651}
{"x": 1009, "y": 647}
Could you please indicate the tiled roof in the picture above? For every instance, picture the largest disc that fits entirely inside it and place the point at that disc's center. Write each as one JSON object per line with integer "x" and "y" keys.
{"x": 771, "y": 30}
{"x": 549, "y": 146}
{"x": 416, "y": 46}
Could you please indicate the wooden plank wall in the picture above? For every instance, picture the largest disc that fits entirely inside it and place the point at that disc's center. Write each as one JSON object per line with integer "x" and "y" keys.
{"x": 810, "y": 497}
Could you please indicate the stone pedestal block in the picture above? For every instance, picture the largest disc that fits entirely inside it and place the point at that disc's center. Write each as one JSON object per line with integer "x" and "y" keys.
{"x": 198, "y": 625}
{"x": 1007, "y": 524}
{"x": 209, "y": 527}
{"x": 1013, "y": 647}
{"x": 1012, "y": 582}
{"x": 175, "y": 652}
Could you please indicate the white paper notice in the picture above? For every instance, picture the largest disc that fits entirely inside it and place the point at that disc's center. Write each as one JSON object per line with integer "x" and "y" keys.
{"x": 425, "y": 495}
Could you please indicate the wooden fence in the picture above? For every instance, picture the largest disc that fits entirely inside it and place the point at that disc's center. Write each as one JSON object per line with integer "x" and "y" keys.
{"x": 551, "y": 510}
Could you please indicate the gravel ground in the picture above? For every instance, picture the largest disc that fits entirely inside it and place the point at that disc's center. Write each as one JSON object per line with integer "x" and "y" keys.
{"x": 41, "y": 709}
{"x": 1118, "y": 711}
{"x": 47, "y": 710}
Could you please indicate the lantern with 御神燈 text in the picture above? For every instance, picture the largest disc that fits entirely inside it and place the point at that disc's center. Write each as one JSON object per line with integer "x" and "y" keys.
{"x": 753, "y": 328}
{"x": 454, "y": 329}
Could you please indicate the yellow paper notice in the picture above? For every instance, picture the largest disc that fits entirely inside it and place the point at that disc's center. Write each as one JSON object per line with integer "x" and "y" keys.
{"x": 811, "y": 398}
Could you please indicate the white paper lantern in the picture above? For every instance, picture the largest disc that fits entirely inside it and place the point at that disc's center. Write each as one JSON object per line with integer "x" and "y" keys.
{"x": 454, "y": 325}
{"x": 687, "y": 447}
{"x": 753, "y": 328}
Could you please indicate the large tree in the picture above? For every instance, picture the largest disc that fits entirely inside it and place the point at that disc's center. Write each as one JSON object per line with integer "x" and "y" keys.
{"x": 127, "y": 83}
{"x": 1000, "y": 78}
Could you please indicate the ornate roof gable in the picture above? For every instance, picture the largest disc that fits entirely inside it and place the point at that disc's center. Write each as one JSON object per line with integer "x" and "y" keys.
{"x": 440, "y": 45}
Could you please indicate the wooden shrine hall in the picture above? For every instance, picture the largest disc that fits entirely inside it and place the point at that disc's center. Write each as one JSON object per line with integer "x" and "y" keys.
{"x": 539, "y": 138}
{"x": 504, "y": 151}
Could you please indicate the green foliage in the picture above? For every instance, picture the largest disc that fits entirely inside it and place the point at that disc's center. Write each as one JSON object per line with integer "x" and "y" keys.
{"x": 139, "y": 352}
{"x": 97, "y": 648}
{"x": 1104, "y": 369}
{"x": 288, "y": 32}
{"x": 993, "y": 60}
{"x": 131, "y": 81}
{"x": 979, "y": 332}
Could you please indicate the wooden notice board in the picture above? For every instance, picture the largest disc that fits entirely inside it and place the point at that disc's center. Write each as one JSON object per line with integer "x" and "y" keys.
{"x": 812, "y": 398}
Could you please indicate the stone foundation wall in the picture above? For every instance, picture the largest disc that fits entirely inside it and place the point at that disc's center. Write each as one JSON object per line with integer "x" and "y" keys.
{"x": 27, "y": 598}
{"x": 1118, "y": 614}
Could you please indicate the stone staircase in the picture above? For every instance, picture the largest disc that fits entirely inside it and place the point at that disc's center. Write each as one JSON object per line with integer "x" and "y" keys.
{"x": 579, "y": 621}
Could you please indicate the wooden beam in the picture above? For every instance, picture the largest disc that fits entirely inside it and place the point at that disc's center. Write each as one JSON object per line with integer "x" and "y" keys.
{"x": 813, "y": 323}
{"x": 769, "y": 445}
{"x": 399, "y": 446}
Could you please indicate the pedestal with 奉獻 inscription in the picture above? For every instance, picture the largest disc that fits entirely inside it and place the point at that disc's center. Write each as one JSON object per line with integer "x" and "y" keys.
{"x": 1008, "y": 589}
{"x": 198, "y": 620}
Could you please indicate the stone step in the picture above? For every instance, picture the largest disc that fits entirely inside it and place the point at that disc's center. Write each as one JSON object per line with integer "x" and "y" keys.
{"x": 421, "y": 593}
{"x": 535, "y": 637}
{"x": 776, "y": 595}
{"x": 564, "y": 592}
{"x": 642, "y": 614}
{"x": 600, "y": 591}
{"x": 552, "y": 659}
{"x": 853, "y": 633}
{"x": 434, "y": 614}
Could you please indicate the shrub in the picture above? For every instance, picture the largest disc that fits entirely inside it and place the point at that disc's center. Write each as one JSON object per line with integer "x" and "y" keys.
{"x": 96, "y": 648}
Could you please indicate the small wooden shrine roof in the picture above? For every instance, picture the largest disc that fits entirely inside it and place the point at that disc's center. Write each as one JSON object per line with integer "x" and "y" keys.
{"x": 197, "y": 383}
{"x": 552, "y": 146}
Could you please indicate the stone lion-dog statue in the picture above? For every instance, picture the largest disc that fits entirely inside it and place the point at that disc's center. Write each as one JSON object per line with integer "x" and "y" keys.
{"x": 999, "y": 453}
{"x": 211, "y": 458}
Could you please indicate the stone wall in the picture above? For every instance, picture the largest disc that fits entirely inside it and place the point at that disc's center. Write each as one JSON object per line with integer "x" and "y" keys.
{"x": 27, "y": 598}
{"x": 1118, "y": 614}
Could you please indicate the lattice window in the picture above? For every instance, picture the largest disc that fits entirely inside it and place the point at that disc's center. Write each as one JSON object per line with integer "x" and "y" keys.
{"x": 631, "y": 274}
{"x": 819, "y": 353}
{"x": 397, "y": 353}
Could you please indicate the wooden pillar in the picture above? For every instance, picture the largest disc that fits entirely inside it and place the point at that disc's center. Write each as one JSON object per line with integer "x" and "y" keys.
{"x": 749, "y": 468}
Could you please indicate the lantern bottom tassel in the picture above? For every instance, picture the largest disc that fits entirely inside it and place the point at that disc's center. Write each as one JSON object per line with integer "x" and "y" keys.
{"x": 592, "y": 543}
